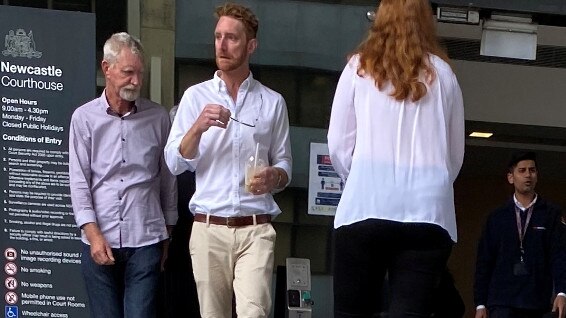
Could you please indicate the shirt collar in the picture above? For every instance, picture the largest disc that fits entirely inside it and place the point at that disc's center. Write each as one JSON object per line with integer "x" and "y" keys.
{"x": 111, "y": 112}
{"x": 220, "y": 85}
{"x": 520, "y": 206}
{"x": 132, "y": 111}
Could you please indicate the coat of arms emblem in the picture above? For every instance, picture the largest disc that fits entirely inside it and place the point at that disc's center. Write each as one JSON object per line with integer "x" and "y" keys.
{"x": 20, "y": 44}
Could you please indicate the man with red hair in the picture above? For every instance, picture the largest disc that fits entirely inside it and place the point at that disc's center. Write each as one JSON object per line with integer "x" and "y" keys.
{"x": 219, "y": 124}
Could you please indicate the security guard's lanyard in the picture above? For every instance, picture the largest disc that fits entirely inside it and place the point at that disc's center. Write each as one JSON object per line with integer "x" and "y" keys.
{"x": 523, "y": 231}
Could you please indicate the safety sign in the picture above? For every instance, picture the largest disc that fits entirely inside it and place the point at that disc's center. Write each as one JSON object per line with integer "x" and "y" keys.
{"x": 10, "y": 254}
{"x": 11, "y": 283}
{"x": 11, "y": 298}
{"x": 10, "y": 268}
{"x": 11, "y": 312}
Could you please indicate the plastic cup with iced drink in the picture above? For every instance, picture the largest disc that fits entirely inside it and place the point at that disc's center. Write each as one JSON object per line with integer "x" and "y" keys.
{"x": 253, "y": 166}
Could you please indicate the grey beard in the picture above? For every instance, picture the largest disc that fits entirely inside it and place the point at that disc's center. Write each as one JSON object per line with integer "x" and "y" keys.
{"x": 129, "y": 94}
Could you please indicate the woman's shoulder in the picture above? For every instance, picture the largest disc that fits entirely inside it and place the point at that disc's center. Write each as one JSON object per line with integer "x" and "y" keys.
{"x": 353, "y": 61}
{"x": 440, "y": 64}
{"x": 443, "y": 71}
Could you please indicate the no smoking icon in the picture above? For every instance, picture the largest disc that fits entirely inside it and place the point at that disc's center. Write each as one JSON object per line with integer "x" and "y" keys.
{"x": 10, "y": 269}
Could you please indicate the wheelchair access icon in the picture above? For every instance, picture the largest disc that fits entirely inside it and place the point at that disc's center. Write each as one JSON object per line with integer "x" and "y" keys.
{"x": 11, "y": 312}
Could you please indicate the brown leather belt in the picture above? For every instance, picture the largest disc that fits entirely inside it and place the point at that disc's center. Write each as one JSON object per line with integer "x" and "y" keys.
{"x": 236, "y": 221}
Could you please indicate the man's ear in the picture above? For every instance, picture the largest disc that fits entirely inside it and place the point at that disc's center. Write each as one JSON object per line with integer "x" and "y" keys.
{"x": 510, "y": 178}
{"x": 252, "y": 46}
{"x": 104, "y": 65}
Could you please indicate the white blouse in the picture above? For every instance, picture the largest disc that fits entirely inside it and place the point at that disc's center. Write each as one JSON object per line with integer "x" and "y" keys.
{"x": 399, "y": 159}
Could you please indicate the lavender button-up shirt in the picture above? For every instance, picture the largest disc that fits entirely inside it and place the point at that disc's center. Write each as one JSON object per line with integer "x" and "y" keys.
{"x": 117, "y": 172}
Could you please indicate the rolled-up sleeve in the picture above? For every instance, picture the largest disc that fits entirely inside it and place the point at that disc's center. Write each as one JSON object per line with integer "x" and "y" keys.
{"x": 183, "y": 121}
{"x": 280, "y": 150}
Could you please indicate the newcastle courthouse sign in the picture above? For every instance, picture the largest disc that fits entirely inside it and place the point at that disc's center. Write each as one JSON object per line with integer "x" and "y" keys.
{"x": 30, "y": 82}
{"x": 47, "y": 69}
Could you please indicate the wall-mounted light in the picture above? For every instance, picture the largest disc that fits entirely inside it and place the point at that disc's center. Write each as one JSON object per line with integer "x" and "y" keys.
{"x": 480, "y": 134}
{"x": 509, "y": 36}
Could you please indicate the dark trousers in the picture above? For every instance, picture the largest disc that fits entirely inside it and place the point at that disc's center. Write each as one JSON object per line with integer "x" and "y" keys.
{"x": 413, "y": 255}
{"x": 509, "y": 312}
{"x": 126, "y": 289}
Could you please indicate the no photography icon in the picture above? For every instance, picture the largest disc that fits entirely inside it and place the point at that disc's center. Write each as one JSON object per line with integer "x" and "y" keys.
{"x": 10, "y": 254}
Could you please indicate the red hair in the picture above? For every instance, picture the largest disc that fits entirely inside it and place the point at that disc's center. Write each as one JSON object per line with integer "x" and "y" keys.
{"x": 398, "y": 45}
{"x": 239, "y": 12}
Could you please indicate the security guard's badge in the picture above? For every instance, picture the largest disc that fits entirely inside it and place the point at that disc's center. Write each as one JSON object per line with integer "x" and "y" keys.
{"x": 520, "y": 269}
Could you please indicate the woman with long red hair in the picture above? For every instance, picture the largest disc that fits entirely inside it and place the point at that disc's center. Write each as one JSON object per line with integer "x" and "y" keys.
{"x": 396, "y": 138}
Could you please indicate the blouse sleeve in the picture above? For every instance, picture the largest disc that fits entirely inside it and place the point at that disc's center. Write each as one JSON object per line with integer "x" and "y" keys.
{"x": 457, "y": 133}
{"x": 342, "y": 128}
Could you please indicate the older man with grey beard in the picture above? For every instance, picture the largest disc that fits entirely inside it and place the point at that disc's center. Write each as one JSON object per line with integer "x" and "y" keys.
{"x": 124, "y": 197}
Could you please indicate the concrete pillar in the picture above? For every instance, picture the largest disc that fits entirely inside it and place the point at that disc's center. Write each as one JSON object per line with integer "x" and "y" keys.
{"x": 157, "y": 33}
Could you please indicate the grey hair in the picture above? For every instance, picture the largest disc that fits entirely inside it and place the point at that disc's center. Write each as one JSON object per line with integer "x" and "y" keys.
{"x": 119, "y": 41}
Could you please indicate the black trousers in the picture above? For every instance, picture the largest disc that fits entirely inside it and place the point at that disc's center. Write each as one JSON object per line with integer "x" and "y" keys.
{"x": 413, "y": 255}
{"x": 509, "y": 312}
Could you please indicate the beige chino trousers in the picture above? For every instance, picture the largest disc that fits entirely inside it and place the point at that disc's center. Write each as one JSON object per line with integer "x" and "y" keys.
{"x": 238, "y": 259}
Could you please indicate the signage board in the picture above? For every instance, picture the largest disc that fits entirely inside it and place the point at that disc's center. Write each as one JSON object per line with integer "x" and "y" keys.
{"x": 47, "y": 69}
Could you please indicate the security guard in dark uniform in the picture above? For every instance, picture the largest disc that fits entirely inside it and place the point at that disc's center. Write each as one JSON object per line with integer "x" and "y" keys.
{"x": 521, "y": 259}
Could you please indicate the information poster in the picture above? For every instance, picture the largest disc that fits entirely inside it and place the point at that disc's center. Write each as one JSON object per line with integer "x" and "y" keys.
{"x": 325, "y": 186}
{"x": 47, "y": 69}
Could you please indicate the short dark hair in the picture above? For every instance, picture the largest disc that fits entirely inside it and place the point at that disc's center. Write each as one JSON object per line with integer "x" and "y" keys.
{"x": 519, "y": 156}
{"x": 239, "y": 12}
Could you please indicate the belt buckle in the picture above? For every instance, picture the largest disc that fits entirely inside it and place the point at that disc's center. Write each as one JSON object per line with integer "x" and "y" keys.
{"x": 231, "y": 222}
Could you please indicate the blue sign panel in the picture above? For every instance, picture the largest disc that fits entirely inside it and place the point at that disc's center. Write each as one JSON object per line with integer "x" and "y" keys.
{"x": 11, "y": 312}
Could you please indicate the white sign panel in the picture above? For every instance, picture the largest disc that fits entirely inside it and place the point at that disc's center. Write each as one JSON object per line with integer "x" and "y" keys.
{"x": 325, "y": 186}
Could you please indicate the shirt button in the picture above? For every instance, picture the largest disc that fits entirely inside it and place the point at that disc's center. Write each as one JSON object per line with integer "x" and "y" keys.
{"x": 121, "y": 180}
{"x": 119, "y": 198}
{"x": 123, "y": 160}
{"x": 121, "y": 219}
{"x": 123, "y": 139}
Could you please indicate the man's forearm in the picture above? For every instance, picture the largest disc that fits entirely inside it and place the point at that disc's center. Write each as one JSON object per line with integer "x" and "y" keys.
{"x": 92, "y": 232}
{"x": 189, "y": 144}
{"x": 282, "y": 178}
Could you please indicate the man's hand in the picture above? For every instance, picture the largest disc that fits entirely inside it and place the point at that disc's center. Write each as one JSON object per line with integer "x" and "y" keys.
{"x": 481, "y": 313}
{"x": 560, "y": 306}
{"x": 212, "y": 115}
{"x": 264, "y": 181}
{"x": 164, "y": 254}
{"x": 100, "y": 250}
{"x": 165, "y": 247}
